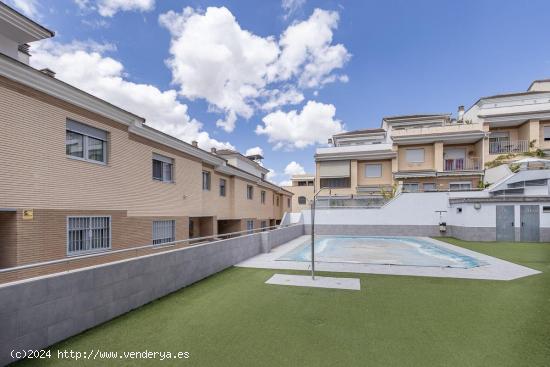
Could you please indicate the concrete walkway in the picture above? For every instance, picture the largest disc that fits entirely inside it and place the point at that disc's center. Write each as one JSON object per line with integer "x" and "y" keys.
{"x": 320, "y": 282}
{"x": 496, "y": 269}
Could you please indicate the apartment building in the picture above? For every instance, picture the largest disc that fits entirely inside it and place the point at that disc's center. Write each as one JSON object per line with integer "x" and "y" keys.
{"x": 433, "y": 152}
{"x": 303, "y": 190}
{"x": 80, "y": 175}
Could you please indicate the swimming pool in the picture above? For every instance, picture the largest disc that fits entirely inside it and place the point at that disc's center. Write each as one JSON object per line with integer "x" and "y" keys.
{"x": 381, "y": 250}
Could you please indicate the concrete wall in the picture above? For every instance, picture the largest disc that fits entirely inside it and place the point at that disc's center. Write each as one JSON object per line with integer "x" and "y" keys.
{"x": 39, "y": 312}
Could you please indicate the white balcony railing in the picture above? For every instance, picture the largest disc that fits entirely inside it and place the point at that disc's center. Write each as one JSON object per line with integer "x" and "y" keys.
{"x": 436, "y": 129}
{"x": 507, "y": 146}
{"x": 461, "y": 164}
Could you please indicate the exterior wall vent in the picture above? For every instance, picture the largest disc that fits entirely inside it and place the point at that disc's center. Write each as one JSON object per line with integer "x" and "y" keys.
{"x": 48, "y": 72}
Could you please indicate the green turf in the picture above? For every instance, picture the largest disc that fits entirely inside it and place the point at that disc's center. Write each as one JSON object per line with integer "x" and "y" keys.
{"x": 234, "y": 319}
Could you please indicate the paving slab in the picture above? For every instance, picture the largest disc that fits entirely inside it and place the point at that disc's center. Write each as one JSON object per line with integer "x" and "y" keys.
{"x": 319, "y": 282}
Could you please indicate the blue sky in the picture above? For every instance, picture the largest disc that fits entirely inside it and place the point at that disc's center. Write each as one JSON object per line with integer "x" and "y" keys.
{"x": 378, "y": 58}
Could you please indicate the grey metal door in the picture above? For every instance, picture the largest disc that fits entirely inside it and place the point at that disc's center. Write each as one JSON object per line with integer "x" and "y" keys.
{"x": 505, "y": 223}
{"x": 530, "y": 223}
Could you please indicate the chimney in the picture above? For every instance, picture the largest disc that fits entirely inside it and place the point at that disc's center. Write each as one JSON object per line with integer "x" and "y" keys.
{"x": 48, "y": 72}
{"x": 195, "y": 143}
{"x": 460, "y": 113}
{"x": 213, "y": 150}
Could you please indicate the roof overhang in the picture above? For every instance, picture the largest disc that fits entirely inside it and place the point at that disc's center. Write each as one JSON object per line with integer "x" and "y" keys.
{"x": 452, "y": 138}
{"x": 514, "y": 119}
{"x": 19, "y": 28}
{"x": 364, "y": 156}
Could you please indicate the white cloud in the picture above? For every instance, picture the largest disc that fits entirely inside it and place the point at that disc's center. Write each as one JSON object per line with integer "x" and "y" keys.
{"x": 108, "y": 8}
{"x": 271, "y": 175}
{"x": 27, "y": 7}
{"x": 237, "y": 72}
{"x": 294, "y": 129}
{"x": 84, "y": 65}
{"x": 291, "y": 6}
{"x": 308, "y": 53}
{"x": 254, "y": 151}
{"x": 294, "y": 168}
{"x": 285, "y": 183}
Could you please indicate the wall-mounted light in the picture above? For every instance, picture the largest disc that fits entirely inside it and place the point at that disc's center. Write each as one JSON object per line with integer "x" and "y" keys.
{"x": 459, "y": 210}
{"x": 477, "y": 206}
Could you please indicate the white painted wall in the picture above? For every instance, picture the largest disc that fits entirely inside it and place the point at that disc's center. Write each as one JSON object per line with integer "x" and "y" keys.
{"x": 420, "y": 209}
{"x": 8, "y": 47}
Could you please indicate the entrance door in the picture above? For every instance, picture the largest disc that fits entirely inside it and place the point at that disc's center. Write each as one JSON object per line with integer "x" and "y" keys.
{"x": 530, "y": 224}
{"x": 505, "y": 223}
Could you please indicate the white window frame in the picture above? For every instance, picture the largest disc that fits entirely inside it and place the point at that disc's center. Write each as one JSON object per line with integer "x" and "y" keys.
{"x": 469, "y": 183}
{"x": 86, "y": 145}
{"x": 164, "y": 162}
{"x": 90, "y": 250}
{"x": 163, "y": 229}
{"x": 378, "y": 165}
{"x": 407, "y": 158}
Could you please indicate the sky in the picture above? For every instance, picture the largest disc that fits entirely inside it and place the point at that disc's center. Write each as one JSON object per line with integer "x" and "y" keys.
{"x": 280, "y": 77}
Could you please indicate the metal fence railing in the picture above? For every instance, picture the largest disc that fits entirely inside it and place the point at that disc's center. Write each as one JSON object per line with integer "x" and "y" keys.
{"x": 506, "y": 146}
{"x": 109, "y": 255}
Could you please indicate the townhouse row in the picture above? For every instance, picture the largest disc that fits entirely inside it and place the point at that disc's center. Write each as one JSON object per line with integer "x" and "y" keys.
{"x": 435, "y": 152}
{"x": 80, "y": 175}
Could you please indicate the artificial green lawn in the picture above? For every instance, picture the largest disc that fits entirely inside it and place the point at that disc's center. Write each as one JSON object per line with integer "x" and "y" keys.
{"x": 234, "y": 319}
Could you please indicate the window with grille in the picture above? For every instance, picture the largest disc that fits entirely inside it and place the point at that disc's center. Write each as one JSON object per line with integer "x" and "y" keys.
{"x": 302, "y": 200}
{"x": 164, "y": 231}
{"x": 250, "y": 226}
{"x": 163, "y": 168}
{"x": 85, "y": 142}
{"x": 88, "y": 234}
{"x": 458, "y": 186}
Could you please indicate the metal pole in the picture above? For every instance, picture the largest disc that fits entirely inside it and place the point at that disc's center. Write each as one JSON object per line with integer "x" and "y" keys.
{"x": 313, "y": 239}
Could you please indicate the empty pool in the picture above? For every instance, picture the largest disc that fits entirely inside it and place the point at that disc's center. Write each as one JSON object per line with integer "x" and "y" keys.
{"x": 381, "y": 250}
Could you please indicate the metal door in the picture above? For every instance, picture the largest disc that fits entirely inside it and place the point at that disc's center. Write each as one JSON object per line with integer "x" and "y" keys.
{"x": 505, "y": 223}
{"x": 530, "y": 223}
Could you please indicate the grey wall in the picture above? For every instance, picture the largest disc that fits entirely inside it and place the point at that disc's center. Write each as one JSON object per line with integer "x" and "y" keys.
{"x": 374, "y": 230}
{"x": 37, "y": 313}
{"x": 479, "y": 234}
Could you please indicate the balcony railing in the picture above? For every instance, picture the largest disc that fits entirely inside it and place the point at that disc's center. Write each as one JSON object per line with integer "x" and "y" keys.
{"x": 436, "y": 129}
{"x": 461, "y": 164}
{"x": 506, "y": 146}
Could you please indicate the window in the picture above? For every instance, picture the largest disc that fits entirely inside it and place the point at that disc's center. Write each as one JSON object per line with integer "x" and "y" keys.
{"x": 546, "y": 209}
{"x": 373, "y": 170}
{"x": 249, "y": 192}
{"x": 262, "y": 197}
{"x": 539, "y": 182}
{"x": 302, "y": 200}
{"x": 206, "y": 180}
{"x": 288, "y": 202}
{"x": 277, "y": 201}
{"x": 429, "y": 186}
{"x": 164, "y": 231}
{"x": 88, "y": 234}
{"x": 263, "y": 224}
{"x": 546, "y": 130}
{"x": 250, "y": 226}
{"x": 263, "y": 176}
{"x": 415, "y": 155}
{"x": 85, "y": 142}
{"x": 336, "y": 182}
{"x": 411, "y": 187}
{"x": 458, "y": 186}
{"x": 162, "y": 168}
{"x": 222, "y": 187}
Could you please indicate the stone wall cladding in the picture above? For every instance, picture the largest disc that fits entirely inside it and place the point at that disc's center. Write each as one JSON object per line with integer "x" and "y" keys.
{"x": 37, "y": 313}
{"x": 478, "y": 234}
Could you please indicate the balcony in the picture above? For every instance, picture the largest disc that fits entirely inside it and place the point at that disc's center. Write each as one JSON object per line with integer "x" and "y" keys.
{"x": 507, "y": 146}
{"x": 462, "y": 164}
{"x": 436, "y": 129}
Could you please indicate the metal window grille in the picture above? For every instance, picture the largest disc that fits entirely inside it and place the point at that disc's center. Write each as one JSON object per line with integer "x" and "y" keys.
{"x": 164, "y": 231}
{"x": 88, "y": 234}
